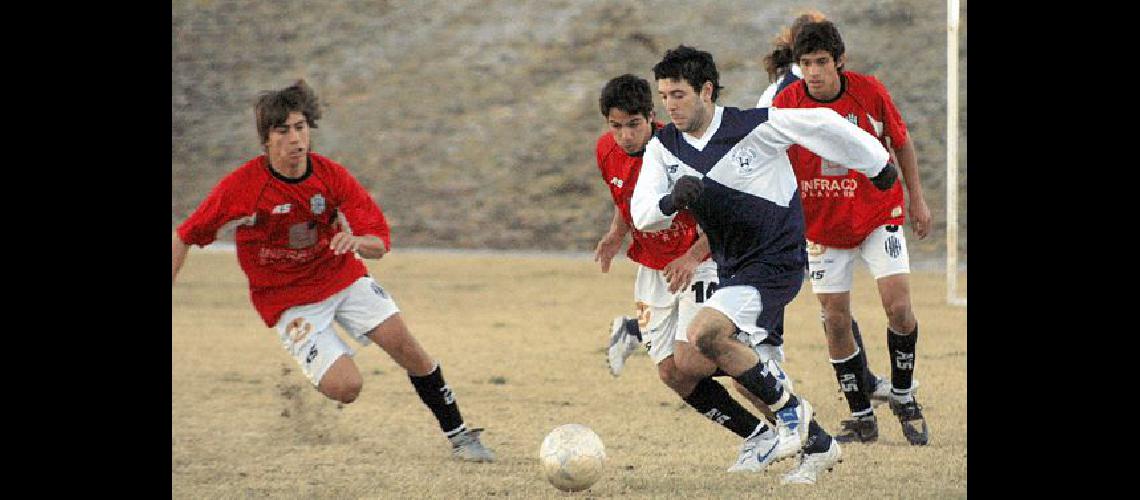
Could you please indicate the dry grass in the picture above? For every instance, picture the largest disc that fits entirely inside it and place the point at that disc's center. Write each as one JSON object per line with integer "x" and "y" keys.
{"x": 521, "y": 340}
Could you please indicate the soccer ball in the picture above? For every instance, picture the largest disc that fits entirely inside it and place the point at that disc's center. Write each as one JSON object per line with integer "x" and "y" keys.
{"x": 572, "y": 457}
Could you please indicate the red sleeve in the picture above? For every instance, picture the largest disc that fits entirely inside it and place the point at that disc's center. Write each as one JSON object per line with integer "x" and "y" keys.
{"x": 893, "y": 124}
{"x": 362, "y": 213}
{"x": 221, "y": 206}
{"x": 601, "y": 150}
{"x": 786, "y": 98}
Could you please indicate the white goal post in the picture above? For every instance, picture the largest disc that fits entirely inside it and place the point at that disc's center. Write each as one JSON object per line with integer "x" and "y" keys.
{"x": 952, "y": 155}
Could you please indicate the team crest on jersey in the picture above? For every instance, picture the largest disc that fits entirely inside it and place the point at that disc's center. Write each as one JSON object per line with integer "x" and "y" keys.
{"x": 745, "y": 159}
{"x": 895, "y": 212}
{"x": 317, "y": 204}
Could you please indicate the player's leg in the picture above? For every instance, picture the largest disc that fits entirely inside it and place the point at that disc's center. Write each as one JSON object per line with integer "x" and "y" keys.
{"x": 890, "y": 265}
{"x": 713, "y": 331}
{"x": 370, "y": 314}
{"x": 693, "y": 382}
{"x": 831, "y": 272}
{"x": 342, "y": 381}
{"x": 705, "y": 283}
{"x": 307, "y": 334}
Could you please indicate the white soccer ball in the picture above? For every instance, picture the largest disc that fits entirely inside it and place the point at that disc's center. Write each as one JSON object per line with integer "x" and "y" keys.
{"x": 573, "y": 457}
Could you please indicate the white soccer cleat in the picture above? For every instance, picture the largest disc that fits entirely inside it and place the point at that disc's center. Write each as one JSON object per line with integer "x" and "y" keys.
{"x": 792, "y": 428}
{"x": 467, "y": 447}
{"x": 622, "y": 344}
{"x": 757, "y": 451}
{"x": 813, "y": 464}
{"x": 882, "y": 392}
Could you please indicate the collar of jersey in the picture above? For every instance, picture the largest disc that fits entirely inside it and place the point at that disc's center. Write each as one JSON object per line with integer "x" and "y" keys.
{"x": 699, "y": 144}
{"x": 842, "y": 90}
{"x": 292, "y": 180}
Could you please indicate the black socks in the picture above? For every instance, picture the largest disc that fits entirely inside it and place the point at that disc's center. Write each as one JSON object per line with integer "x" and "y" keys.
{"x": 437, "y": 396}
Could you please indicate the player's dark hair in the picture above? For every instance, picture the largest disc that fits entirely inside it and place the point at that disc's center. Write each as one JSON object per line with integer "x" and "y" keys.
{"x": 628, "y": 93}
{"x": 819, "y": 36}
{"x": 691, "y": 65}
{"x": 273, "y": 107}
{"x": 780, "y": 60}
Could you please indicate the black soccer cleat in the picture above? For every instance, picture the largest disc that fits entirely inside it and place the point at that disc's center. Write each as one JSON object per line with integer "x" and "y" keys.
{"x": 859, "y": 430}
{"x": 913, "y": 423}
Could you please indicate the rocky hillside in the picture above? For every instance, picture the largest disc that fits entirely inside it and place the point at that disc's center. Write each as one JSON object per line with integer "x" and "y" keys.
{"x": 473, "y": 123}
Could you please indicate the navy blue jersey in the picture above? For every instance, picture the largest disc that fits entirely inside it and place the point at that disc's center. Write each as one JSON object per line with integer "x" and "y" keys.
{"x": 750, "y": 207}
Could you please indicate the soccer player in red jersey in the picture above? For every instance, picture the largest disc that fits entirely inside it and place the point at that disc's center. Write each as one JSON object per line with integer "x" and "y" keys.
{"x": 783, "y": 71}
{"x": 846, "y": 219}
{"x": 303, "y": 223}
{"x": 674, "y": 274}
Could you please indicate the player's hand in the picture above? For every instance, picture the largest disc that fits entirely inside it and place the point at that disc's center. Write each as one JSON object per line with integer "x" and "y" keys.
{"x": 680, "y": 272}
{"x": 920, "y": 218}
{"x": 342, "y": 243}
{"x": 686, "y": 191}
{"x": 607, "y": 248}
{"x": 886, "y": 178}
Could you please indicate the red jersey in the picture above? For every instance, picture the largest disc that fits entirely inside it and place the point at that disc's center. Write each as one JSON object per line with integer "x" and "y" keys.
{"x": 653, "y": 250}
{"x": 841, "y": 206}
{"x": 284, "y": 227}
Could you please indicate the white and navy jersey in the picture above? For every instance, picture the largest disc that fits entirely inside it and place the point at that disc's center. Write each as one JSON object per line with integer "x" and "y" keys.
{"x": 750, "y": 207}
{"x": 774, "y": 89}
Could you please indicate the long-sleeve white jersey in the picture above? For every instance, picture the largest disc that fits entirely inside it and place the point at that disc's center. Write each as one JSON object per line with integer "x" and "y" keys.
{"x": 750, "y": 207}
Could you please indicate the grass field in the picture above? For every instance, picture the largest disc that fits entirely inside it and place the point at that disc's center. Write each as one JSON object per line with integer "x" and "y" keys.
{"x": 522, "y": 343}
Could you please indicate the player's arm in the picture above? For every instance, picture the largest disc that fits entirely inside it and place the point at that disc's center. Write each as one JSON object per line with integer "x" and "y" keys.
{"x": 178, "y": 251}
{"x": 363, "y": 228}
{"x": 919, "y": 212}
{"x": 679, "y": 273}
{"x": 219, "y": 212}
{"x": 610, "y": 244}
{"x": 828, "y": 135}
{"x": 367, "y": 245}
{"x": 654, "y": 204}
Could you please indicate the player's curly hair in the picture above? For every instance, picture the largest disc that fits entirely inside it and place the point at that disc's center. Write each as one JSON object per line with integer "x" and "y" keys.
{"x": 780, "y": 60}
{"x": 628, "y": 93}
{"x": 819, "y": 36}
{"x": 273, "y": 107}
{"x": 694, "y": 66}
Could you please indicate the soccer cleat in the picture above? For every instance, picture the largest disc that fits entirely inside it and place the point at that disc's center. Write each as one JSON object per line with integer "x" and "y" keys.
{"x": 757, "y": 451}
{"x": 466, "y": 446}
{"x": 792, "y": 429}
{"x": 913, "y": 423}
{"x": 882, "y": 392}
{"x": 813, "y": 464}
{"x": 859, "y": 430}
{"x": 622, "y": 344}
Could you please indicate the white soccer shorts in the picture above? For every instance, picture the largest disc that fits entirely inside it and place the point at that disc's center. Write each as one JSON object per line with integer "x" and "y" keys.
{"x": 307, "y": 331}
{"x": 664, "y": 317}
{"x": 756, "y": 317}
{"x": 884, "y": 251}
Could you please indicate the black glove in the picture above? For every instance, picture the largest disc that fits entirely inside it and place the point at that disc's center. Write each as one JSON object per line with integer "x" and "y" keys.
{"x": 686, "y": 191}
{"x": 886, "y": 178}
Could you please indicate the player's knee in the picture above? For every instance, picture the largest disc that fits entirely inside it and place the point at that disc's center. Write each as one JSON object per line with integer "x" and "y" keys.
{"x": 898, "y": 311}
{"x": 668, "y": 373}
{"x": 707, "y": 343}
{"x": 343, "y": 391}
